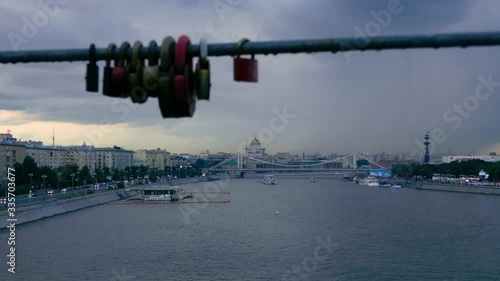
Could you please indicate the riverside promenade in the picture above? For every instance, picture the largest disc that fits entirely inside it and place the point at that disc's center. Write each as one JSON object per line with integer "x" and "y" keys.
{"x": 45, "y": 209}
{"x": 475, "y": 189}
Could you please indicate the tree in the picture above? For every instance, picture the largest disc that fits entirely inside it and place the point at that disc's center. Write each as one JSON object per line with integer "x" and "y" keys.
{"x": 99, "y": 175}
{"x": 117, "y": 174}
{"x": 50, "y": 179}
{"x": 199, "y": 164}
{"x": 20, "y": 174}
{"x": 30, "y": 167}
{"x": 143, "y": 170}
{"x": 403, "y": 170}
{"x": 66, "y": 171}
{"x": 362, "y": 162}
{"x": 85, "y": 174}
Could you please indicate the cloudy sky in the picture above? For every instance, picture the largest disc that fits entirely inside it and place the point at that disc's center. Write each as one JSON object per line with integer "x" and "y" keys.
{"x": 339, "y": 103}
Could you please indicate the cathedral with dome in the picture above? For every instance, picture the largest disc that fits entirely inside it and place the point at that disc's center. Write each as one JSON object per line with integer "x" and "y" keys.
{"x": 255, "y": 149}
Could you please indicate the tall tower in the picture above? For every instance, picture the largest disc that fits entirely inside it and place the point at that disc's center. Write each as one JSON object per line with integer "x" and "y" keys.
{"x": 426, "y": 143}
{"x": 53, "y": 137}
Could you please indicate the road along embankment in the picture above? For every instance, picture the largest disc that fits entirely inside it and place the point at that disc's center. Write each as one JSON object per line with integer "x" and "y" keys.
{"x": 33, "y": 212}
{"x": 461, "y": 188}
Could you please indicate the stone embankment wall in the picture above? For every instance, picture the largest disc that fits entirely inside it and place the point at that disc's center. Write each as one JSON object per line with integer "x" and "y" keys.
{"x": 461, "y": 188}
{"x": 46, "y": 209}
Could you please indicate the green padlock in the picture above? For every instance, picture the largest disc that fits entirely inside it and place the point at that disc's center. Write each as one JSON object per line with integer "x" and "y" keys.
{"x": 150, "y": 75}
{"x": 165, "y": 79}
{"x": 135, "y": 72}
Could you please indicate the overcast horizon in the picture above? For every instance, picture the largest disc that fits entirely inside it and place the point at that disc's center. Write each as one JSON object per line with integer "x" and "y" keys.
{"x": 327, "y": 103}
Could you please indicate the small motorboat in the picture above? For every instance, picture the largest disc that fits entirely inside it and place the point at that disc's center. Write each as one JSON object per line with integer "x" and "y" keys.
{"x": 313, "y": 179}
{"x": 270, "y": 180}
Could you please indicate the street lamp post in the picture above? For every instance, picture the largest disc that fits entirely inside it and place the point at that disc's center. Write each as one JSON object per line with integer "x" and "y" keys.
{"x": 31, "y": 183}
{"x": 4, "y": 183}
{"x": 44, "y": 176}
{"x": 77, "y": 178}
{"x": 58, "y": 176}
{"x": 93, "y": 177}
{"x": 72, "y": 180}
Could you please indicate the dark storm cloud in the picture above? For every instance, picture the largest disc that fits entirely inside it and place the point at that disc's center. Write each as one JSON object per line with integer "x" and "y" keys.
{"x": 318, "y": 19}
{"x": 342, "y": 102}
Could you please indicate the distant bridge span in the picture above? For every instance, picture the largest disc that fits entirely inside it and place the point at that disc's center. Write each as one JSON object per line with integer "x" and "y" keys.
{"x": 242, "y": 160}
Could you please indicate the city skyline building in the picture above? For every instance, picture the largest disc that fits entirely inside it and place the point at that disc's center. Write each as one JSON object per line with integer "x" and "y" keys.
{"x": 13, "y": 150}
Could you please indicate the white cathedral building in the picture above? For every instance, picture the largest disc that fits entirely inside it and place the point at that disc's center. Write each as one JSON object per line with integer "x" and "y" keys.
{"x": 255, "y": 149}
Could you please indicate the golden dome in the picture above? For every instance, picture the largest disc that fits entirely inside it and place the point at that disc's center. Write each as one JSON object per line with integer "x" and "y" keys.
{"x": 255, "y": 141}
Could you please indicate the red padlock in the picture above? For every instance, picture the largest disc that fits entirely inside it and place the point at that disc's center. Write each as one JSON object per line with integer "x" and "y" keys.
{"x": 185, "y": 100}
{"x": 245, "y": 70}
{"x": 119, "y": 76}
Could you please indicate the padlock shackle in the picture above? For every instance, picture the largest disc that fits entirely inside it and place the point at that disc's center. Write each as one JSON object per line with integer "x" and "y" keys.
{"x": 109, "y": 53}
{"x": 203, "y": 49}
{"x": 136, "y": 52}
{"x": 92, "y": 54}
{"x": 123, "y": 53}
{"x": 152, "y": 55}
{"x": 166, "y": 53}
{"x": 239, "y": 45}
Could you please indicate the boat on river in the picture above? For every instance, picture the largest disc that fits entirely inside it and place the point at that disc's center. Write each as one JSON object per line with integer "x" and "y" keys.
{"x": 162, "y": 193}
{"x": 369, "y": 181}
{"x": 270, "y": 180}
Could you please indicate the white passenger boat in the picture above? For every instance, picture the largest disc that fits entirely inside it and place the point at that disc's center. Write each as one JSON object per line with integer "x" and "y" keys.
{"x": 369, "y": 181}
{"x": 161, "y": 193}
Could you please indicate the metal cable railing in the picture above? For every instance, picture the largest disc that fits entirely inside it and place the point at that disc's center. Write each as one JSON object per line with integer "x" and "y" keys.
{"x": 277, "y": 47}
{"x": 170, "y": 77}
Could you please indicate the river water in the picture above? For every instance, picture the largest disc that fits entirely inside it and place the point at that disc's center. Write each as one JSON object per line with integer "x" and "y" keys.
{"x": 297, "y": 230}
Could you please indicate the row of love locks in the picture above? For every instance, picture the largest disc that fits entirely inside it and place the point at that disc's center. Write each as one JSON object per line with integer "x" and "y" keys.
{"x": 168, "y": 76}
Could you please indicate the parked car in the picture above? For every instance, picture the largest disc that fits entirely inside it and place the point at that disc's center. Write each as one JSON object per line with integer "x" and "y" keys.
{"x": 90, "y": 191}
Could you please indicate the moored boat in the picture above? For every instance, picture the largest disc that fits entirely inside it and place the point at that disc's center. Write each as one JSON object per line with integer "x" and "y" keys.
{"x": 161, "y": 193}
{"x": 369, "y": 181}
